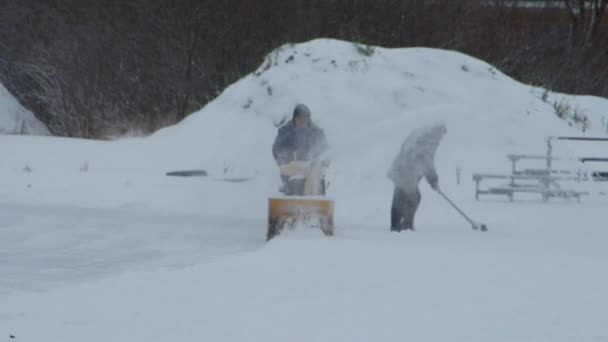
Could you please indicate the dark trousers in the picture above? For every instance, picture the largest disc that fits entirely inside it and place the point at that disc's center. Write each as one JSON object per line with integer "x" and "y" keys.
{"x": 403, "y": 209}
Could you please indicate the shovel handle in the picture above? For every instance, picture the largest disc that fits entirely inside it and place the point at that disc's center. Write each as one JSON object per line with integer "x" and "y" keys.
{"x": 458, "y": 209}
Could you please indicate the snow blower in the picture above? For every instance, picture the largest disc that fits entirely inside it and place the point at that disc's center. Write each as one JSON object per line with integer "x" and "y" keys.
{"x": 304, "y": 200}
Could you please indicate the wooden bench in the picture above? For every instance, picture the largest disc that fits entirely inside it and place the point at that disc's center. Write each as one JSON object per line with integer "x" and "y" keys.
{"x": 542, "y": 172}
{"x": 597, "y": 175}
{"x": 544, "y": 181}
{"x": 600, "y": 176}
{"x": 541, "y": 187}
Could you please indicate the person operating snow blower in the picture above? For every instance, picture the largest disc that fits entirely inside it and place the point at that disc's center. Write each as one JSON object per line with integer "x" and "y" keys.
{"x": 414, "y": 161}
{"x": 300, "y": 150}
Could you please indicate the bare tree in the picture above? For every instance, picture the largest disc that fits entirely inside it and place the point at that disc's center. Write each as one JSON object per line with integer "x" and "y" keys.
{"x": 99, "y": 68}
{"x": 585, "y": 17}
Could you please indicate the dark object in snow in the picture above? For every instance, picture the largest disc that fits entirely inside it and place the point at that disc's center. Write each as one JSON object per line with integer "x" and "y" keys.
{"x": 475, "y": 225}
{"x": 188, "y": 173}
{"x": 203, "y": 173}
{"x": 234, "y": 179}
{"x": 12, "y": 336}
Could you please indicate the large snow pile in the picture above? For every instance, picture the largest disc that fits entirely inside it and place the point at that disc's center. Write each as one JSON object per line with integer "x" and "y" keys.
{"x": 97, "y": 244}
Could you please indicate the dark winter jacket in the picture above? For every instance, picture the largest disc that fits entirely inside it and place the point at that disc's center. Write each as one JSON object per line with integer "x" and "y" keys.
{"x": 416, "y": 158}
{"x": 294, "y": 143}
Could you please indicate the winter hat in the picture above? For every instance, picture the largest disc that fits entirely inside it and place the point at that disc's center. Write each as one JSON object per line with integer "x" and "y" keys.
{"x": 301, "y": 109}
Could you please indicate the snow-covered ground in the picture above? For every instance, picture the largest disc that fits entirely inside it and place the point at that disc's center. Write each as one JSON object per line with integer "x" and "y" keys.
{"x": 97, "y": 244}
{"x": 14, "y": 119}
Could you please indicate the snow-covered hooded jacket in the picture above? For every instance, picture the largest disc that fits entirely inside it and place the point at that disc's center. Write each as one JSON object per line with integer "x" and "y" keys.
{"x": 416, "y": 159}
{"x": 293, "y": 143}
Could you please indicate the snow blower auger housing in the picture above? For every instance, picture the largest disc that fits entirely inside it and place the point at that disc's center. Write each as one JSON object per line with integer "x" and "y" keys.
{"x": 304, "y": 201}
{"x": 285, "y": 212}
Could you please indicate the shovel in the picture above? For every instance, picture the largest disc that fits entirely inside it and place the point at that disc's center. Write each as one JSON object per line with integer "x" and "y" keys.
{"x": 476, "y": 225}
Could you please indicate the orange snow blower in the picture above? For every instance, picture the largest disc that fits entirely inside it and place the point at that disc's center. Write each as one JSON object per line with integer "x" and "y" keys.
{"x": 304, "y": 200}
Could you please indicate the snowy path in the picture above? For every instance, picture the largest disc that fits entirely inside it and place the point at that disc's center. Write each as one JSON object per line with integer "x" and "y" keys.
{"x": 512, "y": 283}
{"x": 45, "y": 244}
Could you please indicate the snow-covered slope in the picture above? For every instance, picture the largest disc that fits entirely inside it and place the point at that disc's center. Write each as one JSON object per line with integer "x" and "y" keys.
{"x": 97, "y": 244}
{"x": 14, "y": 119}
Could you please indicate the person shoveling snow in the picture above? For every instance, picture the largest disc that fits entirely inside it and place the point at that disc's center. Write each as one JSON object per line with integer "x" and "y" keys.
{"x": 416, "y": 159}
